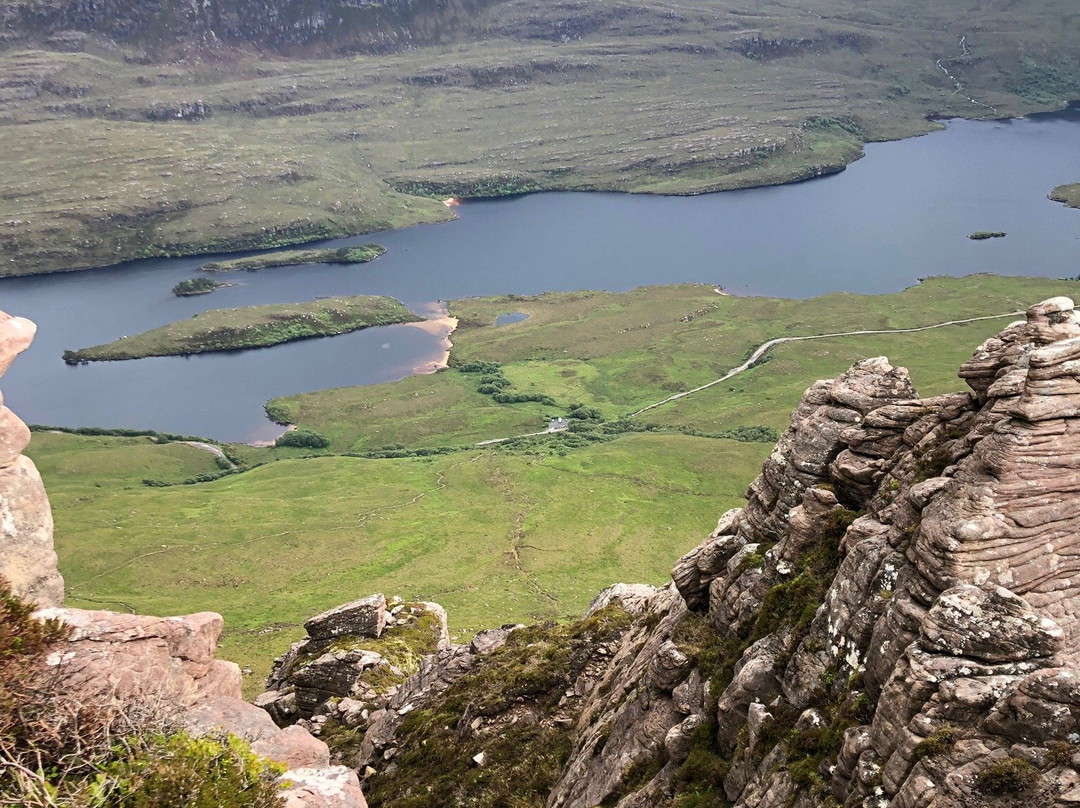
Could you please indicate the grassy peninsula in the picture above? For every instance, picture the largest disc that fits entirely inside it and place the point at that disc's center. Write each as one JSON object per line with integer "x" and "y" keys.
{"x": 288, "y": 258}
{"x": 521, "y": 531}
{"x": 1069, "y": 194}
{"x": 251, "y": 327}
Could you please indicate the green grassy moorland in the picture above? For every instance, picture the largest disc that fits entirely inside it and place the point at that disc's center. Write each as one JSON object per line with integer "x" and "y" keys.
{"x": 1069, "y": 194}
{"x": 602, "y": 349}
{"x": 498, "y": 533}
{"x": 290, "y": 258}
{"x": 251, "y": 327}
{"x": 111, "y": 156}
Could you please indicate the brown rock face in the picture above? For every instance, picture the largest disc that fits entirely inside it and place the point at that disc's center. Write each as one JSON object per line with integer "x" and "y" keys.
{"x": 891, "y": 621}
{"x": 27, "y": 557}
{"x": 168, "y": 660}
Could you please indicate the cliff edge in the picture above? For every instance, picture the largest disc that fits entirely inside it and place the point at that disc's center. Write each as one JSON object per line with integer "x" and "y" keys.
{"x": 890, "y": 620}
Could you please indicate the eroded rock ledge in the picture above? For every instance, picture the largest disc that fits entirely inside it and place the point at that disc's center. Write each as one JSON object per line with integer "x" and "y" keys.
{"x": 890, "y": 620}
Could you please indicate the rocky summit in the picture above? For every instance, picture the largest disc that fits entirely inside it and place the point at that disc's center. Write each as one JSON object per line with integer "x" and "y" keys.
{"x": 890, "y": 620}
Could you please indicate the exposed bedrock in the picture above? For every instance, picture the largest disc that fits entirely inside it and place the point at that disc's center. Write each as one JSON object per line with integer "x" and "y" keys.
{"x": 890, "y": 620}
{"x": 27, "y": 557}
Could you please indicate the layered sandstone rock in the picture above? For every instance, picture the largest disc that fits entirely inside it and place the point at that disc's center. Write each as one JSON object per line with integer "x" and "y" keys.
{"x": 893, "y": 619}
{"x": 27, "y": 558}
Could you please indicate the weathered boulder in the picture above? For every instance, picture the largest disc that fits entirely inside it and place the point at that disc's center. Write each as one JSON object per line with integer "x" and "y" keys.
{"x": 294, "y": 747}
{"x": 989, "y": 625}
{"x": 27, "y": 558}
{"x": 360, "y": 618}
{"x": 135, "y": 656}
{"x": 330, "y": 787}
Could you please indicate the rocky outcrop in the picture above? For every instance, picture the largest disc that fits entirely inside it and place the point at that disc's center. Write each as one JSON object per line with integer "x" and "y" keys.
{"x": 890, "y": 620}
{"x": 27, "y": 557}
{"x": 165, "y": 667}
{"x": 350, "y": 667}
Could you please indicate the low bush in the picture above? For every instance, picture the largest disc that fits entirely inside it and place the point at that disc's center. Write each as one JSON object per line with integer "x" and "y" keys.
{"x": 304, "y": 439}
{"x": 195, "y": 286}
{"x": 937, "y": 742}
{"x": 165, "y": 771}
{"x": 1008, "y": 776}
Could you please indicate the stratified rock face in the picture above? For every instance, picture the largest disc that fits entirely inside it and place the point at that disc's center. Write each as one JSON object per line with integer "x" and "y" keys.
{"x": 893, "y": 619}
{"x": 27, "y": 557}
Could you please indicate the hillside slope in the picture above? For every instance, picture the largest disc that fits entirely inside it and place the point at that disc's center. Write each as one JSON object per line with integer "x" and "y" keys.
{"x": 139, "y": 129}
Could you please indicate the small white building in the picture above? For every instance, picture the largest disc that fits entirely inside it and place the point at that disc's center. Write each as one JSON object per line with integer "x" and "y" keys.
{"x": 558, "y": 425}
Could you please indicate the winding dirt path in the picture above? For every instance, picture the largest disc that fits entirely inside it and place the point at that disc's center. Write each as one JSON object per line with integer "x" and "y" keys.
{"x": 209, "y": 447}
{"x": 762, "y": 349}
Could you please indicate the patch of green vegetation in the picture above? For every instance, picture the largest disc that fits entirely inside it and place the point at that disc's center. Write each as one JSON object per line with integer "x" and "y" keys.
{"x": 170, "y": 770}
{"x": 97, "y": 465}
{"x": 251, "y": 327}
{"x": 1061, "y": 752}
{"x": 982, "y": 235}
{"x": 699, "y": 781}
{"x": 931, "y": 462}
{"x": 434, "y": 765}
{"x": 938, "y": 742}
{"x": 1069, "y": 194}
{"x": 196, "y": 286}
{"x": 303, "y": 438}
{"x": 1052, "y": 82}
{"x": 117, "y": 432}
{"x": 493, "y": 536}
{"x": 289, "y": 258}
{"x": 1010, "y": 775}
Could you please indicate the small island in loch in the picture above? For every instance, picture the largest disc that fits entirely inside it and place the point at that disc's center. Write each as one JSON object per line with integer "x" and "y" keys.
{"x": 291, "y": 258}
{"x": 1069, "y": 194}
{"x": 252, "y": 327}
{"x": 196, "y": 286}
{"x": 982, "y": 235}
